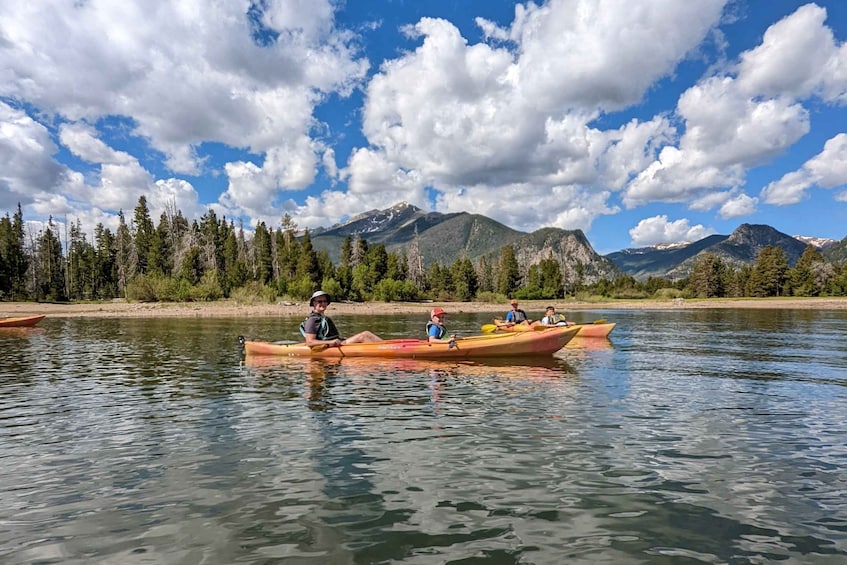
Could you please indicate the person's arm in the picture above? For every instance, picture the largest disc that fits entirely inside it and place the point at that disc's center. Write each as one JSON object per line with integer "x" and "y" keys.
{"x": 312, "y": 340}
{"x": 433, "y": 334}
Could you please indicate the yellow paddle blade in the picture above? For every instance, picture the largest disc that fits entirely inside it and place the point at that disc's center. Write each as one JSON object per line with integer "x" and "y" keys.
{"x": 600, "y": 321}
{"x": 489, "y": 328}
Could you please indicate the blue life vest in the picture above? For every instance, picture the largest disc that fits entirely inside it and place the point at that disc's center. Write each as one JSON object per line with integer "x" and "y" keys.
{"x": 441, "y": 329}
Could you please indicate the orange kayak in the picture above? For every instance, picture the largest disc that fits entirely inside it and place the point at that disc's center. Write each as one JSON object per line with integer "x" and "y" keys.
{"x": 514, "y": 344}
{"x": 602, "y": 329}
{"x": 594, "y": 330}
{"x": 22, "y": 322}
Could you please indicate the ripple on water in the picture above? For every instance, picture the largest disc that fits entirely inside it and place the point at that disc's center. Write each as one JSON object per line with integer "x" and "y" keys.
{"x": 694, "y": 436}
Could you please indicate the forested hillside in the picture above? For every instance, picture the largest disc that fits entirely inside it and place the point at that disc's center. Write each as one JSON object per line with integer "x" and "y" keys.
{"x": 180, "y": 260}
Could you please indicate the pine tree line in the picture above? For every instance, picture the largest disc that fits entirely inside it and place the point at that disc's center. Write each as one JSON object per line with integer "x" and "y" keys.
{"x": 181, "y": 260}
{"x": 209, "y": 259}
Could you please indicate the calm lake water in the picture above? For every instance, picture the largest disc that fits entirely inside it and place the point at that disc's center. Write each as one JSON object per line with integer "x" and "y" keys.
{"x": 714, "y": 436}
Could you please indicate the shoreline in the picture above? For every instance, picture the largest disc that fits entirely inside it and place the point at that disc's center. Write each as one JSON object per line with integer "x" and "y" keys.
{"x": 227, "y": 309}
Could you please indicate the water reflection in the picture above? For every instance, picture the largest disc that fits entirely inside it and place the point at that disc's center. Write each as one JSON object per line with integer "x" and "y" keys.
{"x": 18, "y": 333}
{"x": 690, "y": 436}
{"x": 502, "y": 367}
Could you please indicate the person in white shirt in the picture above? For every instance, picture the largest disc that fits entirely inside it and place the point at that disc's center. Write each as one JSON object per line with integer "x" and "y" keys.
{"x": 554, "y": 319}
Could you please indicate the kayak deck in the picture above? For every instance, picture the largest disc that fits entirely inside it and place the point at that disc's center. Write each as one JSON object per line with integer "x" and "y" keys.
{"x": 513, "y": 344}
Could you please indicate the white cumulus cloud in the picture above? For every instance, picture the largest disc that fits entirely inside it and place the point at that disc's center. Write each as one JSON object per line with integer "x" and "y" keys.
{"x": 827, "y": 169}
{"x": 658, "y": 229}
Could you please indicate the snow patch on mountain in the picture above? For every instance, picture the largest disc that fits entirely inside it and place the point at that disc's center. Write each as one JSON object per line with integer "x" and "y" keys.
{"x": 819, "y": 242}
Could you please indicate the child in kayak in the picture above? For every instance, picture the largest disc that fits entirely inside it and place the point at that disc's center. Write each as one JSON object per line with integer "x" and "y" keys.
{"x": 435, "y": 329}
{"x": 554, "y": 319}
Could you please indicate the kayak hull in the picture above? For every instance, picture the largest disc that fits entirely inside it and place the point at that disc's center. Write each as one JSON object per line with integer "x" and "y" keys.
{"x": 595, "y": 330}
{"x": 585, "y": 330}
{"x": 517, "y": 344}
{"x": 20, "y": 322}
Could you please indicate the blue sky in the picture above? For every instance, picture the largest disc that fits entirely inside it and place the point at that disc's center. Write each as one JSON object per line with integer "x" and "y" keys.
{"x": 638, "y": 121}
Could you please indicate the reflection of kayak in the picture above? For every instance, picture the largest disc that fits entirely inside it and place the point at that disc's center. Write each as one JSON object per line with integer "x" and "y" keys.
{"x": 588, "y": 344}
{"x": 600, "y": 328}
{"x": 520, "y": 366}
{"x": 22, "y": 322}
{"x": 515, "y": 344}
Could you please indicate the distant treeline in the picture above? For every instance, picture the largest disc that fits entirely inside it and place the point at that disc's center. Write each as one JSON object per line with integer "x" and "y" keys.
{"x": 210, "y": 259}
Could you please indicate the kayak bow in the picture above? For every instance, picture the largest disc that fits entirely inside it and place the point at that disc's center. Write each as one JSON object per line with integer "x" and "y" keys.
{"x": 21, "y": 322}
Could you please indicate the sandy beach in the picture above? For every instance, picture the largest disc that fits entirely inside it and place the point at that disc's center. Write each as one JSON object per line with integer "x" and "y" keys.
{"x": 535, "y": 308}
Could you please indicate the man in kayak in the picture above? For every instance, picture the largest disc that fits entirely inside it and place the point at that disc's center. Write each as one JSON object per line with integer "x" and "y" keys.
{"x": 435, "y": 329}
{"x": 554, "y": 319}
{"x": 318, "y": 328}
{"x": 513, "y": 317}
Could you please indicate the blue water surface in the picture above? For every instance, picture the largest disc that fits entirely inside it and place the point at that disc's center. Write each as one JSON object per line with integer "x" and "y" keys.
{"x": 715, "y": 436}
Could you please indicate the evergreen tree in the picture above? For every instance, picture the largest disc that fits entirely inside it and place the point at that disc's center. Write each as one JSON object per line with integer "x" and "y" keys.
{"x": 438, "y": 278}
{"x": 508, "y": 276}
{"x": 160, "y": 256}
{"x": 465, "y": 281}
{"x": 802, "y": 279}
{"x": 51, "y": 269}
{"x": 5, "y": 270}
{"x": 14, "y": 260}
{"x": 325, "y": 267}
{"x": 344, "y": 272}
{"x": 377, "y": 262}
{"x": 738, "y": 281}
{"x": 143, "y": 233}
{"x": 396, "y": 267}
{"x": 346, "y": 253}
{"x": 307, "y": 264}
{"x": 191, "y": 269}
{"x": 235, "y": 268}
{"x": 837, "y": 285}
{"x": 579, "y": 277}
{"x": 106, "y": 271}
{"x": 288, "y": 249}
{"x": 360, "y": 284}
{"x": 551, "y": 278}
{"x": 81, "y": 267}
{"x": 124, "y": 255}
{"x": 532, "y": 288}
{"x": 485, "y": 275}
{"x": 708, "y": 277}
{"x": 769, "y": 273}
{"x": 262, "y": 257}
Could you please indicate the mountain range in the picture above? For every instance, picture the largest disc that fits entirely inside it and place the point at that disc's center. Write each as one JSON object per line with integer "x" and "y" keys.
{"x": 446, "y": 238}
